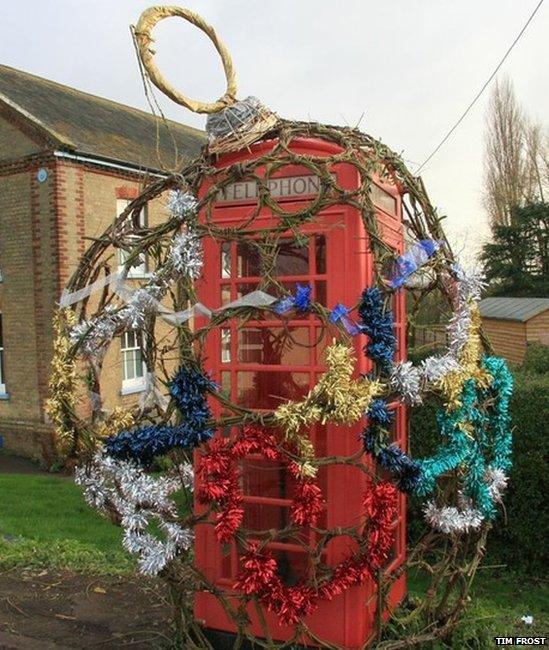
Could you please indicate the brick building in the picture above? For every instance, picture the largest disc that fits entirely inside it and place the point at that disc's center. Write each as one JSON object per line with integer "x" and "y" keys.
{"x": 69, "y": 162}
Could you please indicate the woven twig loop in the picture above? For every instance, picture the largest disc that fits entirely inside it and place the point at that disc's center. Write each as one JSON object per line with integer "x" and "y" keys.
{"x": 147, "y": 21}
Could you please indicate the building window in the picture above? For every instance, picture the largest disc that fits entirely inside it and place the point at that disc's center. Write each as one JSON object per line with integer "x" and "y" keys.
{"x": 2, "y": 375}
{"x": 139, "y": 267}
{"x": 133, "y": 363}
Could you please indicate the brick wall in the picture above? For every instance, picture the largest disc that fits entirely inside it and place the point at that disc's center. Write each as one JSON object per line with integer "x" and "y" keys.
{"x": 43, "y": 227}
{"x": 20, "y": 263}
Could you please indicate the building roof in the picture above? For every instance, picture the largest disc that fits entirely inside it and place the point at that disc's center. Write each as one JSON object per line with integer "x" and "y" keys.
{"x": 518, "y": 309}
{"x": 78, "y": 122}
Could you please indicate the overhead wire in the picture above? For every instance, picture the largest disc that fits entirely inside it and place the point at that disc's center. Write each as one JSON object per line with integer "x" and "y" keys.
{"x": 481, "y": 91}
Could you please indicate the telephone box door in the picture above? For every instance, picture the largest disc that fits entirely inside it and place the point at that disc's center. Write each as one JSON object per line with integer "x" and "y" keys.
{"x": 270, "y": 359}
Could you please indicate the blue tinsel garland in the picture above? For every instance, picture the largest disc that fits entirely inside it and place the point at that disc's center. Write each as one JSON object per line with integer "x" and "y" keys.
{"x": 390, "y": 457}
{"x": 379, "y": 327}
{"x": 301, "y": 299}
{"x": 188, "y": 388}
{"x": 490, "y": 446}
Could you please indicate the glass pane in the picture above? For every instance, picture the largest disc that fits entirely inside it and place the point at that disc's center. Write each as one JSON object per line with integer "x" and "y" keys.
{"x": 274, "y": 346}
{"x": 130, "y": 339}
{"x": 139, "y": 370}
{"x": 226, "y": 561}
{"x": 266, "y": 478}
{"x": 247, "y": 287}
{"x": 383, "y": 199}
{"x": 225, "y": 294}
{"x": 226, "y": 259}
{"x": 320, "y": 253}
{"x": 1, "y": 365}
{"x": 128, "y": 365}
{"x": 322, "y": 342}
{"x": 321, "y": 439}
{"x": 226, "y": 384}
{"x": 225, "y": 345}
{"x": 393, "y": 551}
{"x": 292, "y": 259}
{"x": 1, "y": 339}
{"x": 268, "y": 389}
{"x": 393, "y": 428}
{"x": 248, "y": 260}
{"x": 320, "y": 292}
{"x": 293, "y": 565}
{"x": 261, "y": 516}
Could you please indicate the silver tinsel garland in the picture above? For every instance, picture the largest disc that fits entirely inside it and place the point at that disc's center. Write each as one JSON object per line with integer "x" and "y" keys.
{"x": 410, "y": 381}
{"x": 186, "y": 254}
{"x": 465, "y": 518}
{"x": 182, "y": 205}
{"x": 139, "y": 499}
{"x": 406, "y": 381}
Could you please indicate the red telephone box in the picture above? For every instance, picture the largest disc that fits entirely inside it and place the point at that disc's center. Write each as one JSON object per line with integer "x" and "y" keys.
{"x": 260, "y": 363}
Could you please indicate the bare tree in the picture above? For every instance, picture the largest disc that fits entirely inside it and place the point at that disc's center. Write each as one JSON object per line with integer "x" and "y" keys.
{"x": 516, "y": 161}
{"x": 504, "y": 165}
{"x": 537, "y": 158}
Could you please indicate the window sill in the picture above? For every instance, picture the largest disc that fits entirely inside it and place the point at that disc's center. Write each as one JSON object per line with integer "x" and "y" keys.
{"x": 130, "y": 390}
{"x": 145, "y": 275}
{"x": 4, "y": 396}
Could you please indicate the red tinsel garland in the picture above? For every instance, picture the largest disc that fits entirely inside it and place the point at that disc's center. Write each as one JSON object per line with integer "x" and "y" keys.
{"x": 219, "y": 481}
{"x": 259, "y": 574}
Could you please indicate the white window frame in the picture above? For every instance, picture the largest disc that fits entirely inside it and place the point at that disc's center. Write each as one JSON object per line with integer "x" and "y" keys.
{"x": 138, "y": 270}
{"x": 136, "y": 383}
{"x": 2, "y": 365}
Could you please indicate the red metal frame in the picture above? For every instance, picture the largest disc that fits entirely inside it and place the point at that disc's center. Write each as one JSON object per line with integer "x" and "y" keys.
{"x": 347, "y": 621}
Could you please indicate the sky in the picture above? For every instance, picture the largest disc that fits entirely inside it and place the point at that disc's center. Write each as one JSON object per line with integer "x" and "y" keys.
{"x": 403, "y": 70}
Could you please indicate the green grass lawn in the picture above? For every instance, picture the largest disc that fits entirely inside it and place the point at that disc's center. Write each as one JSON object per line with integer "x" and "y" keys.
{"x": 45, "y": 523}
{"x": 499, "y": 599}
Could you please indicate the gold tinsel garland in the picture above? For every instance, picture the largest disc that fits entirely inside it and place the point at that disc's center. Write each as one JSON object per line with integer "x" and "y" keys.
{"x": 451, "y": 385}
{"x": 62, "y": 381}
{"x": 337, "y": 398}
{"x": 119, "y": 420}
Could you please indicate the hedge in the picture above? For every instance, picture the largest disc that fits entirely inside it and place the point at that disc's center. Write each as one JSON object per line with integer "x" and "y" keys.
{"x": 520, "y": 532}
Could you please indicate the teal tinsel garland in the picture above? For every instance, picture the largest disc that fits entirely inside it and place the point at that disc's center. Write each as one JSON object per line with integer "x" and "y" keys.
{"x": 490, "y": 446}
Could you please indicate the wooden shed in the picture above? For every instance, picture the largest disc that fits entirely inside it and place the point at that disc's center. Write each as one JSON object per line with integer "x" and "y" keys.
{"x": 511, "y": 323}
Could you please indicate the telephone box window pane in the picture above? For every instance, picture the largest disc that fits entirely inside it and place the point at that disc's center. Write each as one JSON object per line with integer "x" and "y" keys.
{"x": 293, "y": 566}
{"x": 248, "y": 260}
{"x": 267, "y": 390}
{"x": 225, "y": 294}
{"x": 292, "y": 259}
{"x": 393, "y": 429}
{"x": 225, "y": 345}
{"x": 320, "y": 253}
{"x": 322, "y": 342}
{"x": 246, "y": 288}
{"x": 226, "y": 384}
{"x": 262, "y": 516}
{"x": 321, "y": 440}
{"x": 266, "y": 478}
{"x": 226, "y": 259}
{"x": 320, "y": 292}
{"x": 393, "y": 551}
{"x": 274, "y": 346}
{"x": 226, "y": 562}
{"x": 383, "y": 199}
